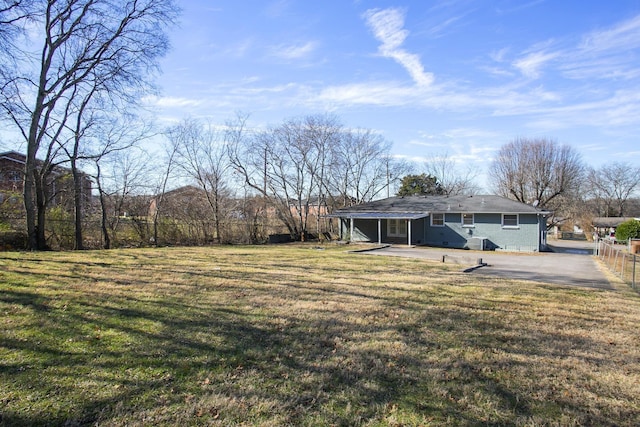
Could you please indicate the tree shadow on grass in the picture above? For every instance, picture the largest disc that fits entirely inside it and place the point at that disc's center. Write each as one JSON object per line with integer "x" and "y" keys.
{"x": 248, "y": 353}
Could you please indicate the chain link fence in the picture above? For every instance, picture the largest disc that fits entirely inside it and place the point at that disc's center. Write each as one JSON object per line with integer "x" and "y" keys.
{"x": 622, "y": 260}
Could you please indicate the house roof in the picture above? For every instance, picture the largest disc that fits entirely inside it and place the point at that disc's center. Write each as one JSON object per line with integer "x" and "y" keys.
{"x": 414, "y": 207}
{"x": 606, "y": 222}
{"x": 21, "y": 159}
{"x": 14, "y": 156}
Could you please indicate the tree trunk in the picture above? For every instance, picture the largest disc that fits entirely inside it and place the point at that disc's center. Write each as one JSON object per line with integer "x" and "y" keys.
{"x": 41, "y": 213}
{"x": 103, "y": 223}
{"x": 77, "y": 204}
{"x": 216, "y": 217}
{"x": 29, "y": 201}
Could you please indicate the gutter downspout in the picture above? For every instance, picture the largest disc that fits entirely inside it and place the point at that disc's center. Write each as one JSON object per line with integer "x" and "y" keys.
{"x": 539, "y": 233}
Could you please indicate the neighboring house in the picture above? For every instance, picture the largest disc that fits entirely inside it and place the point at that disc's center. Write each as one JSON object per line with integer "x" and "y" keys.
{"x": 565, "y": 228}
{"x": 182, "y": 202}
{"x": 472, "y": 222}
{"x": 59, "y": 182}
{"x": 606, "y": 225}
{"x": 11, "y": 171}
{"x": 309, "y": 207}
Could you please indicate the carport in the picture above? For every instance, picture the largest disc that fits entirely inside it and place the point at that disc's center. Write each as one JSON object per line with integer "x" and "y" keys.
{"x": 380, "y": 217}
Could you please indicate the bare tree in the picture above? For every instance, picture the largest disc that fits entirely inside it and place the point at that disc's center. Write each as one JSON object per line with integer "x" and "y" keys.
{"x": 112, "y": 139}
{"x": 290, "y": 184}
{"x": 612, "y": 185}
{"x": 169, "y": 164}
{"x": 324, "y": 133}
{"x": 81, "y": 41}
{"x": 14, "y": 14}
{"x": 122, "y": 177}
{"x": 202, "y": 155}
{"x": 537, "y": 171}
{"x": 453, "y": 178}
{"x": 248, "y": 167}
{"x": 307, "y": 164}
{"x": 287, "y": 166}
{"x": 362, "y": 167}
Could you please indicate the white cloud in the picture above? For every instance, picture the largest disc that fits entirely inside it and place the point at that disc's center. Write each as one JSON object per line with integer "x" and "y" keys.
{"x": 294, "y": 51}
{"x": 437, "y": 30}
{"x": 625, "y": 35}
{"x": 507, "y": 100}
{"x": 531, "y": 64}
{"x": 594, "y": 147}
{"x": 381, "y": 94}
{"x": 387, "y": 26}
{"x": 470, "y": 133}
{"x": 170, "y": 102}
{"x": 460, "y": 144}
{"x": 266, "y": 90}
{"x": 606, "y": 54}
{"x": 621, "y": 109}
{"x": 499, "y": 55}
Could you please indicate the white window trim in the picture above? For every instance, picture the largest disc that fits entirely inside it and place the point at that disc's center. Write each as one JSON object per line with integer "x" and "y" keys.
{"x": 511, "y": 226}
{"x": 398, "y": 232}
{"x": 473, "y": 220}
{"x": 437, "y": 225}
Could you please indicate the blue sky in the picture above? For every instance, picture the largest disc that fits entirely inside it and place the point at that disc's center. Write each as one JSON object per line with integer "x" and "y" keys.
{"x": 456, "y": 76}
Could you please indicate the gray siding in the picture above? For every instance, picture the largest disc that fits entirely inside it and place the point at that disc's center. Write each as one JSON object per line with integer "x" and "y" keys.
{"x": 522, "y": 238}
{"x": 487, "y": 227}
{"x": 418, "y": 231}
{"x": 451, "y": 235}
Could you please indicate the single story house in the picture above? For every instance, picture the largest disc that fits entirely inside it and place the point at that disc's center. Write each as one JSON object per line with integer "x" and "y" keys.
{"x": 605, "y": 225}
{"x": 467, "y": 222}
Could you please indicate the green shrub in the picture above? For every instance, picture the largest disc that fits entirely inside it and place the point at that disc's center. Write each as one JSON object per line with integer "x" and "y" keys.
{"x": 628, "y": 230}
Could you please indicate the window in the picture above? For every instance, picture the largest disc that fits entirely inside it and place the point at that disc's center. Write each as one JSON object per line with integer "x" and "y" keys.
{"x": 467, "y": 220}
{"x": 510, "y": 220}
{"x": 437, "y": 220}
{"x": 397, "y": 227}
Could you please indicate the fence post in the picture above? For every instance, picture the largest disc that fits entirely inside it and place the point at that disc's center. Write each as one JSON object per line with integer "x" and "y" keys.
{"x": 633, "y": 271}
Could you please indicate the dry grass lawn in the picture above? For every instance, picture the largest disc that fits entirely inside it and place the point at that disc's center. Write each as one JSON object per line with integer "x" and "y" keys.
{"x": 303, "y": 336}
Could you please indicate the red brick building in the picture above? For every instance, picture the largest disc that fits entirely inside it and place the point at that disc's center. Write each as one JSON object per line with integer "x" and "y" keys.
{"x": 59, "y": 187}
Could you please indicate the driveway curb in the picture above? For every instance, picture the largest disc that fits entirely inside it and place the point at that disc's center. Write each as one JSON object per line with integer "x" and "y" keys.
{"x": 474, "y": 268}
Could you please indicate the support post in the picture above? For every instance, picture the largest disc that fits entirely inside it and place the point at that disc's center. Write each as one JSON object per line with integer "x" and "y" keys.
{"x": 409, "y": 231}
{"x": 379, "y": 231}
{"x": 350, "y": 229}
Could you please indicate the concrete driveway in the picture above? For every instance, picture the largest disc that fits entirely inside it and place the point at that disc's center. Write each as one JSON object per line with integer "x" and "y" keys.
{"x": 571, "y": 263}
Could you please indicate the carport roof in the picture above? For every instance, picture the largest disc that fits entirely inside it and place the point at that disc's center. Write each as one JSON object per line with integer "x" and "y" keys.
{"x": 380, "y": 215}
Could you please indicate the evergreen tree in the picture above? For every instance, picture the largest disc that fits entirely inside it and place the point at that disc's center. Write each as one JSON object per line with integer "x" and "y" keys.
{"x": 420, "y": 185}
